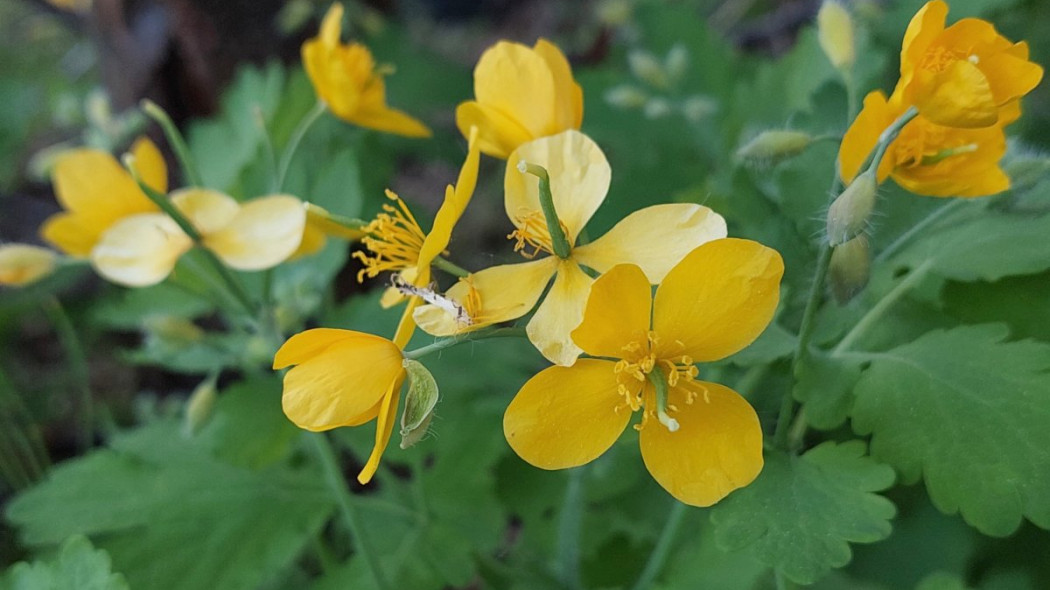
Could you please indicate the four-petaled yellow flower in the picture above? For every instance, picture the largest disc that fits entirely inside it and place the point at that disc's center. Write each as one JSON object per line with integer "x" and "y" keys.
{"x": 963, "y": 75}
{"x": 346, "y": 79}
{"x": 521, "y": 94}
{"x": 699, "y": 440}
{"x": 655, "y": 238}
{"x": 347, "y": 378}
{"x": 22, "y": 264}
{"x": 926, "y": 158}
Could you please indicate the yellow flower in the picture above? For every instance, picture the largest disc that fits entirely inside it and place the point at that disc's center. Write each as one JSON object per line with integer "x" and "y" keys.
{"x": 961, "y": 76}
{"x": 926, "y": 158}
{"x": 96, "y": 192}
{"x": 654, "y": 238}
{"x": 320, "y": 226}
{"x": 141, "y": 250}
{"x": 346, "y": 79}
{"x": 699, "y": 440}
{"x": 21, "y": 264}
{"x": 347, "y": 378}
{"x": 521, "y": 94}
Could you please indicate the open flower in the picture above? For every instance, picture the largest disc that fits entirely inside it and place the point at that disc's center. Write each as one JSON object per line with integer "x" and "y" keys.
{"x": 655, "y": 238}
{"x": 926, "y": 158}
{"x": 699, "y": 440}
{"x": 347, "y": 378}
{"x": 521, "y": 94}
{"x": 346, "y": 79}
{"x": 961, "y": 76}
{"x": 96, "y": 192}
{"x": 22, "y": 264}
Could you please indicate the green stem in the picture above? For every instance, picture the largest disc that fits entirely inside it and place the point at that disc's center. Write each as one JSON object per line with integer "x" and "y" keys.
{"x": 451, "y": 341}
{"x": 933, "y": 217}
{"x": 450, "y": 267}
{"x": 559, "y": 242}
{"x": 67, "y": 337}
{"x": 293, "y": 142}
{"x": 178, "y": 144}
{"x": 875, "y": 314}
{"x": 662, "y": 550}
{"x": 337, "y": 485}
{"x": 797, "y": 432}
{"x": 889, "y": 135}
{"x": 569, "y": 520}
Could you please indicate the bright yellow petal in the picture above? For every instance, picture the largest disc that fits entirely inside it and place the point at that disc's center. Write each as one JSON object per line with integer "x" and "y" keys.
{"x": 959, "y": 96}
{"x": 387, "y": 417}
{"x": 655, "y": 238}
{"x": 336, "y": 380}
{"x": 264, "y": 233}
{"x": 149, "y": 163}
{"x": 308, "y": 344}
{"x": 313, "y": 241}
{"x": 67, "y": 232}
{"x": 92, "y": 183}
{"x": 579, "y": 175}
{"x": 717, "y": 448}
{"x": 863, "y": 135}
{"x": 717, "y": 300}
{"x": 140, "y": 250}
{"x": 550, "y": 329}
{"x": 496, "y": 294}
{"x": 566, "y": 416}
{"x": 21, "y": 264}
{"x": 516, "y": 81}
{"x": 456, "y": 200}
{"x": 390, "y": 120}
{"x": 924, "y": 28}
{"x": 207, "y": 210}
{"x": 568, "y": 96}
{"x": 332, "y": 25}
{"x": 1010, "y": 77}
{"x": 618, "y": 312}
{"x": 498, "y": 134}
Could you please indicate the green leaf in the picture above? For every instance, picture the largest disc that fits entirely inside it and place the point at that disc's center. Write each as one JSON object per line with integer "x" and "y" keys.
{"x": 172, "y": 516}
{"x": 801, "y": 513}
{"x": 968, "y": 412}
{"x": 942, "y": 581}
{"x": 78, "y": 565}
{"x": 825, "y": 387}
{"x": 774, "y": 343}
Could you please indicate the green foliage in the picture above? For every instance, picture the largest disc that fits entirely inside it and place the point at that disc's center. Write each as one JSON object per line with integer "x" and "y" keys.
{"x": 801, "y": 513}
{"x": 77, "y": 565}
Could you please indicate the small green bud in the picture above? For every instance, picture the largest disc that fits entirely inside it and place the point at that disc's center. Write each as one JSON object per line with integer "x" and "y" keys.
{"x": 626, "y": 96}
{"x": 773, "y": 146}
{"x": 835, "y": 33}
{"x": 850, "y": 269}
{"x": 420, "y": 401}
{"x": 849, "y": 213}
{"x": 647, "y": 68}
{"x": 199, "y": 406}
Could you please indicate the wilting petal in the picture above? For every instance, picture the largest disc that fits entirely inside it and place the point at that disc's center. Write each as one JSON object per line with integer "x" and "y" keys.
{"x": 568, "y": 104}
{"x": 959, "y": 96}
{"x": 550, "y": 329}
{"x": 207, "y": 210}
{"x": 21, "y": 264}
{"x": 655, "y": 238}
{"x": 618, "y": 312}
{"x": 579, "y": 176}
{"x": 717, "y": 300}
{"x": 863, "y": 135}
{"x": 149, "y": 163}
{"x": 513, "y": 79}
{"x": 337, "y": 379}
{"x": 264, "y": 233}
{"x": 566, "y": 416}
{"x": 140, "y": 250}
{"x": 716, "y": 449}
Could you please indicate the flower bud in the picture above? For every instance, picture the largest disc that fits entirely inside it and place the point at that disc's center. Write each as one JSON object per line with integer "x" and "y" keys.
{"x": 773, "y": 146}
{"x": 647, "y": 68}
{"x": 626, "y": 96}
{"x": 420, "y": 401}
{"x": 835, "y": 33}
{"x": 21, "y": 264}
{"x": 199, "y": 406}
{"x": 848, "y": 215}
{"x": 850, "y": 268}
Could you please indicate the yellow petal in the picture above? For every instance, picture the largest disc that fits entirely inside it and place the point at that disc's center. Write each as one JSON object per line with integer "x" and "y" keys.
{"x": 498, "y": 134}
{"x": 924, "y": 28}
{"x": 716, "y": 449}
{"x": 516, "y": 81}
{"x": 337, "y": 377}
{"x": 655, "y": 238}
{"x": 384, "y": 428}
{"x": 1010, "y": 77}
{"x": 92, "y": 183}
{"x": 568, "y": 102}
{"x": 67, "y": 232}
{"x": 332, "y": 25}
{"x": 617, "y": 312}
{"x": 389, "y": 120}
{"x": 456, "y": 200}
{"x": 579, "y": 175}
{"x": 566, "y": 416}
{"x": 149, "y": 163}
{"x": 717, "y": 300}
{"x": 263, "y": 234}
{"x": 550, "y": 329}
{"x": 313, "y": 241}
{"x": 207, "y": 210}
{"x": 862, "y": 136}
{"x": 21, "y": 264}
{"x": 140, "y": 250}
{"x": 959, "y": 96}
{"x": 496, "y": 294}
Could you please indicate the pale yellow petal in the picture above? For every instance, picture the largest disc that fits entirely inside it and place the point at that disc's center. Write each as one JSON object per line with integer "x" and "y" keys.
{"x": 654, "y": 238}
{"x": 149, "y": 163}
{"x": 21, "y": 264}
{"x": 568, "y": 96}
{"x": 207, "y": 210}
{"x": 516, "y": 81}
{"x": 716, "y": 449}
{"x": 550, "y": 329}
{"x": 717, "y": 300}
{"x": 498, "y": 134}
{"x": 264, "y": 233}
{"x": 618, "y": 312}
{"x": 140, "y": 250}
{"x": 566, "y": 416}
{"x": 579, "y": 177}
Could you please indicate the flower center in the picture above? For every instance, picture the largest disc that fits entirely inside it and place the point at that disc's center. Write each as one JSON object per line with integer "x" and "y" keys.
{"x": 532, "y": 232}
{"x": 937, "y": 59}
{"x": 394, "y": 239}
{"x": 924, "y": 144}
{"x": 671, "y": 373}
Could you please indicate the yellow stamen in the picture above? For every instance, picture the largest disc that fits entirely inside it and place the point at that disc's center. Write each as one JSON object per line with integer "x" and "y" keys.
{"x": 394, "y": 239}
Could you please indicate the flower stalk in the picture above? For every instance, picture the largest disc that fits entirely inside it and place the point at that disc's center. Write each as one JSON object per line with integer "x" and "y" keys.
{"x": 178, "y": 144}
{"x": 559, "y": 242}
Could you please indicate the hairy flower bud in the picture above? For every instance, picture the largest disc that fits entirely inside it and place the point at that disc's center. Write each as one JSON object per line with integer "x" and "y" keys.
{"x": 199, "y": 406}
{"x": 850, "y": 269}
{"x": 775, "y": 145}
{"x": 848, "y": 215}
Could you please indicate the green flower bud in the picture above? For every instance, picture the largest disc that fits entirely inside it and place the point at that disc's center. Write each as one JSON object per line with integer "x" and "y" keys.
{"x": 773, "y": 146}
{"x": 849, "y": 213}
{"x": 850, "y": 269}
{"x": 199, "y": 406}
{"x": 420, "y": 401}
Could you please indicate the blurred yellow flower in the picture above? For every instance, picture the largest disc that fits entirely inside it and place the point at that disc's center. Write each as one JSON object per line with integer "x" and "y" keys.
{"x": 21, "y": 264}
{"x": 321, "y": 225}
{"x": 961, "y": 76}
{"x": 96, "y": 192}
{"x": 521, "y": 94}
{"x": 835, "y": 34}
{"x": 926, "y": 158}
{"x": 346, "y": 79}
{"x": 699, "y": 440}
{"x": 655, "y": 238}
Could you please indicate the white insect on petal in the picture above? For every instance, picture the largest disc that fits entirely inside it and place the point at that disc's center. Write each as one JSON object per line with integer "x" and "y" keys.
{"x": 432, "y": 297}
